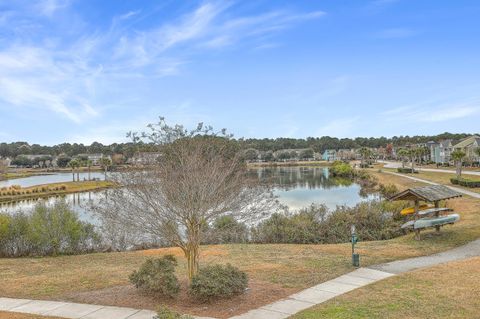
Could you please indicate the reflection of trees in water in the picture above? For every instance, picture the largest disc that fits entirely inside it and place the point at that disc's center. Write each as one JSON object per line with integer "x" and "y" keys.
{"x": 287, "y": 178}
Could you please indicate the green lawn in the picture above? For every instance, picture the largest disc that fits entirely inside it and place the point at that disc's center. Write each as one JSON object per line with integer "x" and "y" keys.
{"x": 445, "y": 291}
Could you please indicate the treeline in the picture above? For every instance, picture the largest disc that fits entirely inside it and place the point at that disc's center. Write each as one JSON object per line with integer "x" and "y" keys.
{"x": 23, "y": 148}
{"x": 318, "y": 144}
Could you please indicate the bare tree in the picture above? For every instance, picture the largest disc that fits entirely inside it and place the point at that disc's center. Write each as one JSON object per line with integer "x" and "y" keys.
{"x": 200, "y": 176}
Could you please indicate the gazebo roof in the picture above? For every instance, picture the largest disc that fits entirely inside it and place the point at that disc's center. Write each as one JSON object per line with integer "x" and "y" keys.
{"x": 431, "y": 193}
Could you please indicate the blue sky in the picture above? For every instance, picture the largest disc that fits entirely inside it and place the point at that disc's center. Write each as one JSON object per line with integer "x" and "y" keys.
{"x": 84, "y": 71}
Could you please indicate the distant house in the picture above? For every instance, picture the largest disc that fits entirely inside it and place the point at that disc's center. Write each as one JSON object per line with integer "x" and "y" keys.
{"x": 5, "y": 161}
{"x": 145, "y": 158}
{"x": 440, "y": 152}
{"x": 329, "y": 155}
{"x": 345, "y": 154}
{"x": 469, "y": 145}
{"x": 95, "y": 158}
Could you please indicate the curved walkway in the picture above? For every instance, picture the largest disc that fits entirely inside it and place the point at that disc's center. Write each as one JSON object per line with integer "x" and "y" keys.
{"x": 278, "y": 310}
{"x": 458, "y": 189}
{"x": 389, "y": 164}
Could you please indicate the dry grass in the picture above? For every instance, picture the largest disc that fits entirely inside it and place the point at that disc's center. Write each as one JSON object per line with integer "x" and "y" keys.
{"x": 445, "y": 291}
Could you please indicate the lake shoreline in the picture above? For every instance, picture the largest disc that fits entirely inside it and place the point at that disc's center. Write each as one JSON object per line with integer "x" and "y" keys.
{"x": 70, "y": 188}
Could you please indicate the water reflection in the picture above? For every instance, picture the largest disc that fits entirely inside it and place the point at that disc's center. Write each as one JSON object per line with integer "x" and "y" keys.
{"x": 48, "y": 178}
{"x": 79, "y": 202}
{"x": 296, "y": 187}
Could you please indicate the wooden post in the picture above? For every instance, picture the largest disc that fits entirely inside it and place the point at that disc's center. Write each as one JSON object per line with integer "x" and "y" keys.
{"x": 437, "y": 214}
{"x": 417, "y": 231}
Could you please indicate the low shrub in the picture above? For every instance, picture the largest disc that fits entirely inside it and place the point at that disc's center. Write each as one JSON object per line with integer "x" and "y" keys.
{"x": 375, "y": 220}
{"x": 341, "y": 169}
{"x": 388, "y": 190}
{"x": 165, "y": 313}
{"x": 47, "y": 230}
{"x": 465, "y": 182}
{"x": 218, "y": 281}
{"x": 226, "y": 230}
{"x": 157, "y": 276}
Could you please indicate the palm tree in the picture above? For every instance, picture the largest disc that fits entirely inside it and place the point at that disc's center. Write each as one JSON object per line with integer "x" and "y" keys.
{"x": 458, "y": 156}
{"x": 74, "y": 164}
{"x": 105, "y": 162}
{"x": 365, "y": 153}
{"x": 403, "y": 153}
{"x": 89, "y": 164}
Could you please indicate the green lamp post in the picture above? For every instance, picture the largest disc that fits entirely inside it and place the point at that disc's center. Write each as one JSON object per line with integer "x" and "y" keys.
{"x": 355, "y": 256}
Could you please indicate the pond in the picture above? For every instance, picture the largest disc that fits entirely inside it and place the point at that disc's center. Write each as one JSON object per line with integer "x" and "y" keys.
{"x": 296, "y": 187}
{"x": 48, "y": 178}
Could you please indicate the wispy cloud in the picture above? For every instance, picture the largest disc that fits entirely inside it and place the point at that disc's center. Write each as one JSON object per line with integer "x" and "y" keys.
{"x": 66, "y": 77}
{"x": 49, "y": 7}
{"x": 434, "y": 112}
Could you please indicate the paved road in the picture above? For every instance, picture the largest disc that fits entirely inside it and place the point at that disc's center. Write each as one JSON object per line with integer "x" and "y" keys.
{"x": 458, "y": 189}
{"x": 389, "y": 164}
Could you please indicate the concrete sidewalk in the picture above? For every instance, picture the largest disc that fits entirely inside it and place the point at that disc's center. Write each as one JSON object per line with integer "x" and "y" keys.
{"x": 316, "y": 295}
{"x": 279, "y": 309}
{"x": 74, "y": 310}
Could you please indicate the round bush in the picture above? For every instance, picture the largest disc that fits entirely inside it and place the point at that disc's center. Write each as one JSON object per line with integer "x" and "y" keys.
{"x": 218, "y": 281}
{"x": 157, "y": 276}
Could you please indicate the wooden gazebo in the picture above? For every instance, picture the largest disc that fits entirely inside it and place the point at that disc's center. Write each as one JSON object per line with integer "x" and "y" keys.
{"x": 431, "y": 194}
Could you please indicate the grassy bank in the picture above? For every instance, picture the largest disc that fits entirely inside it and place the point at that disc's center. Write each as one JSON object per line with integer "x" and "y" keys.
{"x": 53, "y": 189}
{"x": 445, "y": 291}
{"x": 14, "y": 175}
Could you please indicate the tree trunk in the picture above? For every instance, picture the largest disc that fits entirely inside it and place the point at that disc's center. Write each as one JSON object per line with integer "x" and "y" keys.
{"x": 89, "y": 169}
{"x": 192, "y": 261}
{"x": 459, "y": 169}
{"x": 78, "y": 176}
{"x": 192, "y": 250}
{"x": 73, "y": 174}
{"x": 105, "y": 173}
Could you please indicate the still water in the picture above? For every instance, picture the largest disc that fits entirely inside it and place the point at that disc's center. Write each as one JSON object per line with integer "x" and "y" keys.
{"x": 48, "y": 178}
{"x": 296, "y": 187}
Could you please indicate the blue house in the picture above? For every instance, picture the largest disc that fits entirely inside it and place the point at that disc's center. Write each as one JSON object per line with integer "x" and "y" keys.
{"x": 329, "y": 155}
